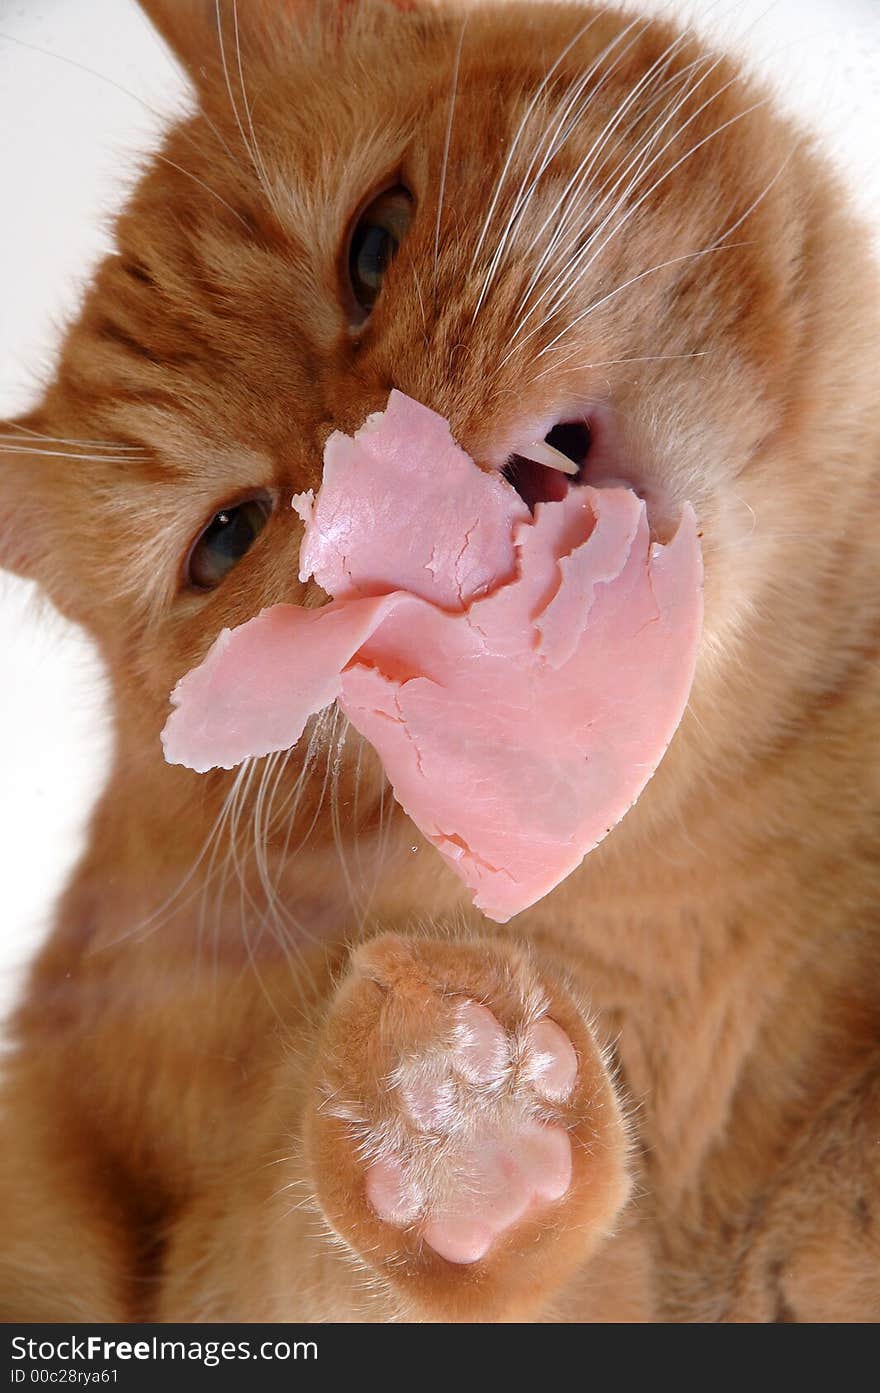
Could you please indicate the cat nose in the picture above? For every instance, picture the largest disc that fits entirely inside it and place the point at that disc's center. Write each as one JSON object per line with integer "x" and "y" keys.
{"x": 541, "y": 459}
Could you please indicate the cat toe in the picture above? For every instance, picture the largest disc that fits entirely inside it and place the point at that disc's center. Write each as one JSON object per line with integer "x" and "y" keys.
{"x": 466, "y": 1140}
{"x": 484, "y": 1152}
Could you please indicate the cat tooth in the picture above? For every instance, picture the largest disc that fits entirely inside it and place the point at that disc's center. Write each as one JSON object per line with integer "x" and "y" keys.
{"x": 542, "y": 453}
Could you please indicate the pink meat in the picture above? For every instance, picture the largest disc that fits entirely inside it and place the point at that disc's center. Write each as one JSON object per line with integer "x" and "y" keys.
{"x": 520, "y": 678}
{"x": 401, "y": 507}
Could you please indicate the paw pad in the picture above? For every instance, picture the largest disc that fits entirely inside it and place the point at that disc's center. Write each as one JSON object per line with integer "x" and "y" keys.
{"x": 482, "y": 1153}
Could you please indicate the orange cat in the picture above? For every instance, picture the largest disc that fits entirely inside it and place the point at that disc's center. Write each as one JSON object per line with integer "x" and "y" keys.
{"x": 271, "y": 1065}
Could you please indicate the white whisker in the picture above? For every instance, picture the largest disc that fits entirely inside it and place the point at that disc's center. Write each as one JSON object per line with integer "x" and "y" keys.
{"x": 717, "y": 245}
{"x": 259, "y": 163}
{"x": 519, "y": 132}
{"x": 583, "y": 170}
{"x": 161, "y": 117}
{"x": 234, "y": 105}
{"x": 633, "y": 209}
{"x": 576, "y": 183}
{"x": 633, "y": 280}
{"x": 14, "y": 449}
{"x": 559, "y": 368}
{"x": 207, "y": 187}
{"x": 566, "y": 278}
{"x": 446, "y": 145}
{"x": 26, "y": 436}
{"x": 521, "y": 199}
{"x": 418, "y": 286}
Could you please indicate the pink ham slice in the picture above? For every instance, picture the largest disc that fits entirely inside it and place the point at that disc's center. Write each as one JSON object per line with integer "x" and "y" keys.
{"x": 520, "y": 677}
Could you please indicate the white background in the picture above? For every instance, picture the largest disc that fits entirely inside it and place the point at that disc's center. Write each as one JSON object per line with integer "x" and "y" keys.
{"x": 84, "y": 89}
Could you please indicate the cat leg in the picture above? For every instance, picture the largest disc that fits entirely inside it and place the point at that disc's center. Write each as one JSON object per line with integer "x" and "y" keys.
{"x": 814, "y": 1249}
{"x": 66, "y": 1247}
{"x": 464, "y": 1140}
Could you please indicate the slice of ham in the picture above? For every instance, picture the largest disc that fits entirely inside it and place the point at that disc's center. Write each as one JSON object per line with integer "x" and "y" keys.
{"x": 520, "y": 677}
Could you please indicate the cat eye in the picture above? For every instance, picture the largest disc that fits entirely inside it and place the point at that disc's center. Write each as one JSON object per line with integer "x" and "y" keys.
{"x": 374, "y": 243}
{"x": 223, "y": 543}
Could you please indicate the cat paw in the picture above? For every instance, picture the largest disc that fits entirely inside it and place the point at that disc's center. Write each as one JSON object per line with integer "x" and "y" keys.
{"x": 479, "y": 1146}
{"x": 465, "y": 1140}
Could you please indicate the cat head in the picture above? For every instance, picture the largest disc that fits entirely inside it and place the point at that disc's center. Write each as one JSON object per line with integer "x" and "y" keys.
{"x": 541, "y": 221}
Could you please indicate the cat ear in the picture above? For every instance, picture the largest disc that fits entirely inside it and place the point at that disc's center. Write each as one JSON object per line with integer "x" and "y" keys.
{"x": 189, "y": 27}
{"x": 199, "y": 31}
{"x": 205, "y": 34}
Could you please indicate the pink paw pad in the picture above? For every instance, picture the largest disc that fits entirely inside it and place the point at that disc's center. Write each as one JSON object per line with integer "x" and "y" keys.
{"x": 482, "y": 1045}
{"x": 388, "y": 1192}
{"x": 503, "y": 1185}
{"x": 498, "y": 1163}
{"x": 551, "y": 1062}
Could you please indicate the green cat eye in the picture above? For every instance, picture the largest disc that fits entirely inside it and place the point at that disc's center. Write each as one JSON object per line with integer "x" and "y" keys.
{"x": 223, "y": 543}
{"x": 373, "y": 244}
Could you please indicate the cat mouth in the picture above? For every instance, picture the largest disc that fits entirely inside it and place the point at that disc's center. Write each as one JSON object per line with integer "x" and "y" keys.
{"x": 544, "y": 470}
{"x": 581, "y": 451}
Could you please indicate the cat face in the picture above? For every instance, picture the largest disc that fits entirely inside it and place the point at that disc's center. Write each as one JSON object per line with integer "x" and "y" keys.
{"x": 541, "y": 222}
